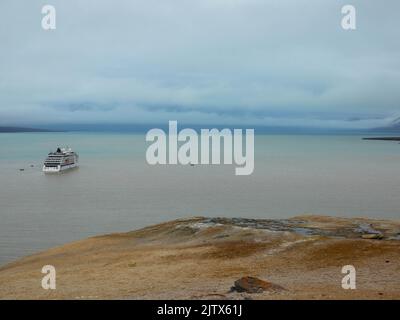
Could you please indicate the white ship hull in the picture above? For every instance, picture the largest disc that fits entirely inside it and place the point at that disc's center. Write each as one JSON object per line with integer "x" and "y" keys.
{"x": 61, "y": 160}
{"x": 59, "y": 168}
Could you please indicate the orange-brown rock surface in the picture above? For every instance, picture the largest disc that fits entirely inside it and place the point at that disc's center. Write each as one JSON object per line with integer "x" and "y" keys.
{"x": 201, "y": 258}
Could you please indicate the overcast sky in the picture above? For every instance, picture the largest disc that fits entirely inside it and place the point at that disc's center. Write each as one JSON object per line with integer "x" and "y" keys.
{"x": 261, "y": 62}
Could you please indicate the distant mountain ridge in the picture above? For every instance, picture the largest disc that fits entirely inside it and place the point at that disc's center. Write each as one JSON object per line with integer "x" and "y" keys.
{"x": 395, "y": 126}
{"x": 396, "y": 123}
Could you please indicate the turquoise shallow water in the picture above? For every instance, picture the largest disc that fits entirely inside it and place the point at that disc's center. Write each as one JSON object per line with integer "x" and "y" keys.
{"x": 116, "y": 190}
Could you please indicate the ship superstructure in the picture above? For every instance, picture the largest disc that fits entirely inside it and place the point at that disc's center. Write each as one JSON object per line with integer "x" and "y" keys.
{"x": 60, "y": 160}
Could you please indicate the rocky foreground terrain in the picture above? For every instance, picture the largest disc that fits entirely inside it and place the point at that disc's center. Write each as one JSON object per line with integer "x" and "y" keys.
{"x": 220, "y": 258}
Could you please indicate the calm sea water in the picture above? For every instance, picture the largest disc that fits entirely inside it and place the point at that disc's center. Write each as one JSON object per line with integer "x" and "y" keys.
{"x": 115, "y": 190}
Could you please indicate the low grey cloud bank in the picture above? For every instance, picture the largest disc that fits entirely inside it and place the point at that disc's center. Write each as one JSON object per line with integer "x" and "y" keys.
{"x": 284, "y": 63}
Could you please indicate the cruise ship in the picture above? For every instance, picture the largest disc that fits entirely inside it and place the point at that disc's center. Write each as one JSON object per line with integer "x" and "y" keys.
{"x": 62, "y": 159}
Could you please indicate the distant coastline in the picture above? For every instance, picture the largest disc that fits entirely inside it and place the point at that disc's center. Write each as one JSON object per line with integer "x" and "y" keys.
{"x": 21, "y": 129}
{"x": 392, "y": 131}
{"x": 384, "y": 138}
